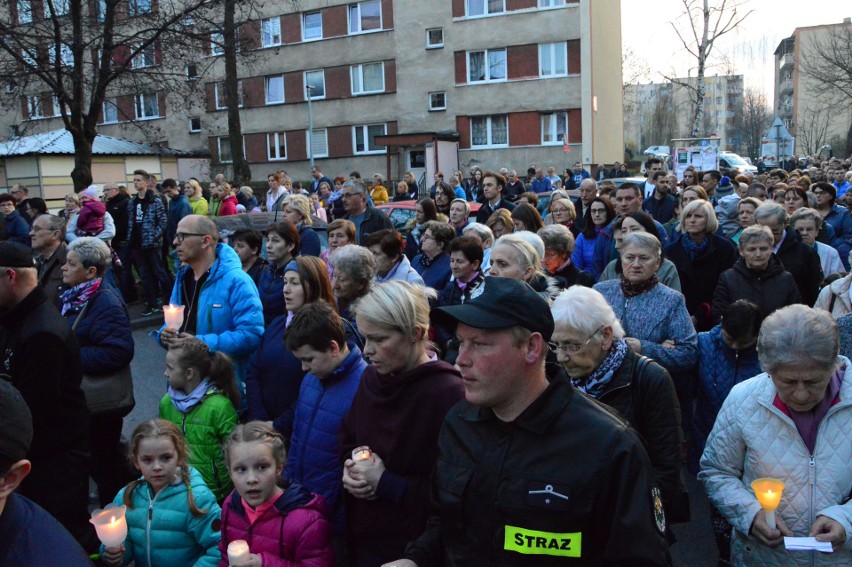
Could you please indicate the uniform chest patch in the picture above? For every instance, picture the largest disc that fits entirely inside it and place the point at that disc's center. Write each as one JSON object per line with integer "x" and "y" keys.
{"x": 659, "y": 513}
{"x": 534, "y": 542}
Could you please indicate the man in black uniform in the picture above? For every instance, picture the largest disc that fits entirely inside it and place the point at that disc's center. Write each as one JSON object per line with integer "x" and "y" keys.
{"x": 530, "y": 471}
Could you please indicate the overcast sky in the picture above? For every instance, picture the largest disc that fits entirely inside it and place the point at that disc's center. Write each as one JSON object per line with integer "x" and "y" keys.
{"x": 750, "y": 48}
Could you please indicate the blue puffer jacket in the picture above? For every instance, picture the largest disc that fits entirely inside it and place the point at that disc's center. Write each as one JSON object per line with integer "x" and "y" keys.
{"x": 161, "y": 531}
{"x": 273, "y": 379}
{"x": 17, "y": 229}
{"x": 584, "y": 254}
{"x": 720, "y": 368}
{"x": 230, "y": 316}
{"x": 840, "y": 219}
{"x": 270, "y": 286}
{"x": 179, "y": 207}
{"x": 104, "y": 334}
{"x": 314, "y": 457}
{"x": 153, "y": 220}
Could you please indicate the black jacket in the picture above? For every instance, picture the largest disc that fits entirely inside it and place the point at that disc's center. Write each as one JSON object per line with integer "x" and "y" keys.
{"x": 803, "y": 263}
{"x": 771, "y": 289}
{"x": 566, "y": 466}
{"x": 570, "y": 275}
{"x": 374, "y": 220}
{"x": 486, "y": 209}
{"x": 118, "y": 210}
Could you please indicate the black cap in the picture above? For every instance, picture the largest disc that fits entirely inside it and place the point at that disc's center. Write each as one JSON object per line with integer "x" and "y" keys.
{"x": 15, "y": 255}
{"x": 16, "y": 423}
{"x": 500, "y": 303}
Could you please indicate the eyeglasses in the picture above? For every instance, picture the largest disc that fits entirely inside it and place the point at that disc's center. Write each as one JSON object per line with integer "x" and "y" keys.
{"x": 571, "y": 348}
{"x": 181, "y": 236}
{"x": 348, "y": 195}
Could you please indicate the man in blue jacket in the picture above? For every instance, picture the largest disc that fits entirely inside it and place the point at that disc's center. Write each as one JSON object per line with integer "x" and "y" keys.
{"x": 221, "y": 303}
{"x": 179, "y": 207}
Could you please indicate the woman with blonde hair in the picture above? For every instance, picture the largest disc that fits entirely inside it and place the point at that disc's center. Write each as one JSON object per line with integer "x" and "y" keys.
{"x": 192, "y": 190}
{"x": 297, "y": 209}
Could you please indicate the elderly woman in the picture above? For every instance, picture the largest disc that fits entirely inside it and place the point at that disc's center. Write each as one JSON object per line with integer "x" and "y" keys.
{"x": 433, "y": 262}
{"x": 562, "y": 212}
{"x": 700, "y": 257}
{"x": 397, "y": 412}
{"x": 459, "y": 215}
{"x": 654, "y": 316}
{"x": 808, "y": 223}
{"x": 601, "y": 214}
{"x": 192, "y": 190}
{"x": 98, "y": 316}
{"x": 757, "y": 276}
{"x": 340, "y": 233}
{"x": 282, "y": 245}
{"x": 391, "y": 264}
{"x": 526, "y": 217}
{"x": 354, "y": 272}
{"x": 558, "y": 248}
{"x": 515, "y": 257}
{"x": 297, "y": 209}
{"x": 500, "y": 222}
{"x": 72, "y": 207}
{"x": 486, "y": 241}
{"x": 589, "y": 343}
{"x": 791, "y": 423}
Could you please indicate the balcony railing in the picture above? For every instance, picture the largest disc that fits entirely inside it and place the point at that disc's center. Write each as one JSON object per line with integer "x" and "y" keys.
{"x": 787, "y": 86}
{"x": 786, "y": 60}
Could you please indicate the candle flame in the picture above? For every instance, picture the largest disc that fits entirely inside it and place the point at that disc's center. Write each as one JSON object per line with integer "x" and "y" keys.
{"x": 112, "y": 520}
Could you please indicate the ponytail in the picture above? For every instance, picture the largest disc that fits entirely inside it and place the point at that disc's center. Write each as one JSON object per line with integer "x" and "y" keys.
{"x": 222, "y": 376}
{"x": 190, "y": 498}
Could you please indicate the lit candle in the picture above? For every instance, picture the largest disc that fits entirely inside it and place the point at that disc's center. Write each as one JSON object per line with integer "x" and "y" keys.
{"x": 362, "y": 453}
{"x": 110, "y": 525}
{"x": 173, "y": 315}
{"x": 238, "y": 551}
{"x": 768, "y": 492}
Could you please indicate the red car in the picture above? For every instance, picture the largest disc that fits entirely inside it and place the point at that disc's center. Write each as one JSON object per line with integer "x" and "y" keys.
{"x": 401, "y": 212}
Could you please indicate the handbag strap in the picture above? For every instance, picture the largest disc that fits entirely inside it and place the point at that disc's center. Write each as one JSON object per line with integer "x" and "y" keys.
{"x": 79, "y": 317}
{"x": 638, "y": 372}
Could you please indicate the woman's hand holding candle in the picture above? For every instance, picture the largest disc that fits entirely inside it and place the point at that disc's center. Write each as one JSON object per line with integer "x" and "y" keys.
{"x": 361, "y": 477}
{"x": 766, "y": 535}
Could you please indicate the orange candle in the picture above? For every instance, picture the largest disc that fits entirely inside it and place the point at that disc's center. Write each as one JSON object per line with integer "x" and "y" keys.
{"x": 768, "y": 492}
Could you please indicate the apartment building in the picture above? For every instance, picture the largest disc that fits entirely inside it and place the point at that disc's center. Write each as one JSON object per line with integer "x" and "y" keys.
{"x": 394, "y": 85}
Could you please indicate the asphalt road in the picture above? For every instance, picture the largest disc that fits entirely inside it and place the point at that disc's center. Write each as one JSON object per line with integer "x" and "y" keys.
{"x": 695, "y": 547}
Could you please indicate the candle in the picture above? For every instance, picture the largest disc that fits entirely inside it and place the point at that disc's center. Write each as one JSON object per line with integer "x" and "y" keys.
{"x": 238, "y": 551}
{"x": 173, "y": 315}
{"x": 362, "y": 453}
{"x": 768, "y": 492}
{"x": 110, "y": 525}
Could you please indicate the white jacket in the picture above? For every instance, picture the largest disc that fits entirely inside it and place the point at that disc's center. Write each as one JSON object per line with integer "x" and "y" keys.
{"x": 752, "y": 439}
{"x": 840, "y": 290}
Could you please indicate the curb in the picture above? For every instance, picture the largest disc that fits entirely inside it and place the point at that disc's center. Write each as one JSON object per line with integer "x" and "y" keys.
{"x": 146, "y": 322}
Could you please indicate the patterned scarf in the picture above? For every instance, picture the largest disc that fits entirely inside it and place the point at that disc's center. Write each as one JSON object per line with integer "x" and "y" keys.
{"x": 692, "y": 248}
{"x": 596, "y": 382}
{"x": 426, "y": 261}
{"x": 463, "y": 285}
{"x": 76, "y": 297}
{"x": 630, "y": 289}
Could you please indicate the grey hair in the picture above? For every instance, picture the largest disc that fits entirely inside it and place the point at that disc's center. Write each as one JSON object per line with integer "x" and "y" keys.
{"x": 357, "y": 184}
{"x": 356, "y": 262}
{"x": 644, "y": 240}
{"x": 756, "y": 232}
{"x": 557, "y": 237}
{"x": 585, "y": 310}
{"x": 397, "y": 305}
{"x": 527, "y": 255}
{"x": 482, "y": 231}
{"x": 92, "y": 252}
{"x": 770, "y": 209}
{"x": 533, "y": 240}
{"x": 57, "y": 223}
{"x": 798, "y": 334}
{"x": 806, "y": 214}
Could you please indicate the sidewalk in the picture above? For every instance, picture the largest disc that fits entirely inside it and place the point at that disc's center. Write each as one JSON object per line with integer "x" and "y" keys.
{"x": 139, "y": 321}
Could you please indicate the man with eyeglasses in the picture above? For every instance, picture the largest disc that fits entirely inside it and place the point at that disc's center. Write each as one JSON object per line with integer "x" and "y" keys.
{"x": 47, "y": 235}
{"x": 220, "y": 301}
{"x": 367, "y": 219}
{"x": 530, "y": 471}
{"x": 588, "y": 191}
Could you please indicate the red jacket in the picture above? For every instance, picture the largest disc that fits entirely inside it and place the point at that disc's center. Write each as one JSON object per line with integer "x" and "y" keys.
{"x": 293, "y": 532}
{"x": 228, "y": 206}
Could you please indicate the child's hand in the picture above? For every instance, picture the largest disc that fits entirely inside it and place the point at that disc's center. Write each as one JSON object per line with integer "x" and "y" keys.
{"x": 113, "y": 555}
{"x": 251, "y": 561}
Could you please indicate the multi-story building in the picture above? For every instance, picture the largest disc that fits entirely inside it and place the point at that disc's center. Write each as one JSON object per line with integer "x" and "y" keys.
{"x": 394, "y": 85}
{"x": 801, "y": 103}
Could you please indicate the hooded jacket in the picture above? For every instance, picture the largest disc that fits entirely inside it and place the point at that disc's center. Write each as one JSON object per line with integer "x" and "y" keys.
{"x": 803, "y": 263}
{"x": 771, "y": 289}
{"x": 294, "y": 531}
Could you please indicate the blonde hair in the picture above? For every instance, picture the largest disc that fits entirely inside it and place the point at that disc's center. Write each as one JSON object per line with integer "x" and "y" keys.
{"x": 256, "y": 431}
{"x": 302, "y": 205}
{"x": 397, "y": 305}
{"x": 712, "y": 221}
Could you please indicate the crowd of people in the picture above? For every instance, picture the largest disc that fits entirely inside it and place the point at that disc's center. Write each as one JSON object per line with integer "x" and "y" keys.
{"x": 525, "y": 383}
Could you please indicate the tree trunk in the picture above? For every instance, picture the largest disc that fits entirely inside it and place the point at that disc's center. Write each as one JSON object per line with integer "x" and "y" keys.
{"x": 698, "y": 117}
{"x": 82, "y": 172}
{"x": 242, "y": 171}
{"x": 849, "y": 140}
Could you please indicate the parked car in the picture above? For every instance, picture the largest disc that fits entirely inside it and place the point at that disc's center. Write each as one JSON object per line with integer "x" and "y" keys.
{"x": 661, "y": 152}
{"x": 401, "y": 212}
{"x": 733, "y": 162}
{"x": 619, "y": 180}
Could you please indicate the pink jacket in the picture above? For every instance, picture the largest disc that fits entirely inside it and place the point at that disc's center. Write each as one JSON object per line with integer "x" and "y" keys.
{"x": 228, "y": 206}
{"x": 293, "y": 532}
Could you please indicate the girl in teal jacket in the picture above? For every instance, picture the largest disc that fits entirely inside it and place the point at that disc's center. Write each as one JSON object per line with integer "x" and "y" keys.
{"x": 201, "y": 401}
{"x": 172, "y": 517}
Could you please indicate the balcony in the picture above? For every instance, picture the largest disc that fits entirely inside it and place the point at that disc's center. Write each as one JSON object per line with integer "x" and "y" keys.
{"x": 786, "y": 61}
{"x": 785, "y": 111}
{"x": 786, "y": 86}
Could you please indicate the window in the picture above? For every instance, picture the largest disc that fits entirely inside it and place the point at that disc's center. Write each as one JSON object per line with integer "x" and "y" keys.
{"x": 550, "y": 3}
{"x": 225, "y": 150}
{"x": 487, "y": 65}
{"x": 434, "y": 38}
{"x": 270, "y": 32}
{"x": 315, "y": 80}
{"x": 364, "y": 138}
{"x": 318, "y": 142}
{"x": 147, "y": 106}
{"x": 365, "y": 16}
{"x": 438, "y": 101}
{"x": 34, "y": 107}
{"x": 312, "y": 26}
{"x": 217, "y": 43}
{"x": 60, "y": 7}
{"x": 220, "y": 95}
{"x": 191, "y": 72}
{"x": 110, "y": 111}
{"x": 145, "y": 58}
{"x": 554, "y": 126}
{"x": 485, "y": 7}
{"x": 139, "y": 7}
{"x": 489, "y": 131}
{"x": 276, "y": 146}
{"x": 25, "y": 12}
{"x": 195, "y": 124}
{"x": 275, "y": 89}
{"x": 66, "y": 57}
{"x": 553, "y": 59}
{"x": 368, "y": 78}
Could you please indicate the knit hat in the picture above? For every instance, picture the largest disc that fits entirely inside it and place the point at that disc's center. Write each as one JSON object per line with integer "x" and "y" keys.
{"x": 16, "y": 423}
{"x": 92, "y": 192}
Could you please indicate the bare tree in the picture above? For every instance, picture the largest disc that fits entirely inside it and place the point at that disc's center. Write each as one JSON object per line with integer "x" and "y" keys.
{"x": 705, "y": 24}
{"x": 812, "y": 130}
{"x": 756, "y": 119}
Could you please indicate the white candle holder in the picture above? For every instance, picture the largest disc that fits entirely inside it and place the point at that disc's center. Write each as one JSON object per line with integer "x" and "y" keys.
{"x": 173, "y": 314}
{"x": 362, "y": 453}
{"x": 110, "y": 524}
{"x": 238, "y": 551}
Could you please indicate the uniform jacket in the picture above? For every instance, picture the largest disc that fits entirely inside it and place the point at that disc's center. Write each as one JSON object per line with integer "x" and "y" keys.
{"x": 104, "y": 333}
{"x": 839, "y": 291}
{"x": 771, "y": 289}
{"x": 803, "y": 263}
{"x": 206, "y": 427}
{"x": 153, "y": 220}
{"x": 162, "y": 532}
{"x": 230, "y": 316}
{"x": 314, "y": 457}
{"x": 496, "y": 483}
{"x": 653, "y": 317}
{"x": 293, "y": 532}
{"x": 753, "y": 438}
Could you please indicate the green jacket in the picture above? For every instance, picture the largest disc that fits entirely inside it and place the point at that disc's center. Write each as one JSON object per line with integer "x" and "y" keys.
{"x": 206, "y": 427}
